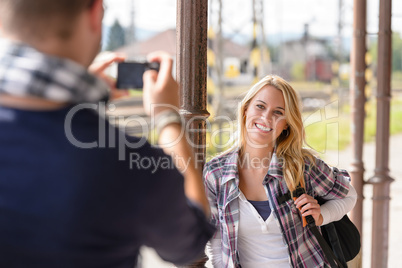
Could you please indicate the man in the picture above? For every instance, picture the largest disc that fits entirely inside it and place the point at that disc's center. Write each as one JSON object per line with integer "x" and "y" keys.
{"x": 70, "y": 194}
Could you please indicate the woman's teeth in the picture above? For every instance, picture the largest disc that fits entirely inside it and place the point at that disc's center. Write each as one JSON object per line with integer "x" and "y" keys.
{"x": 263, "y": 128}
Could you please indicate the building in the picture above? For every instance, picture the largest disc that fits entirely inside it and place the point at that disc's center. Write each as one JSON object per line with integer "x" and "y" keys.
{"x": 235, "y": 56}
{"x": 313, "y": 54}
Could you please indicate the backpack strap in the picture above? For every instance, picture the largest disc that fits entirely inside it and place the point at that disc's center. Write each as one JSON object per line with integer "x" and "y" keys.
{"x": 328, "y": 253}
{"x": 283, "y": 198}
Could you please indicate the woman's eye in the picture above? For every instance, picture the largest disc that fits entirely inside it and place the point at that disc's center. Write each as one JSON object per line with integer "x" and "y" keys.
{"x": 260, "y": 106}
{"x": 278, "y": 112}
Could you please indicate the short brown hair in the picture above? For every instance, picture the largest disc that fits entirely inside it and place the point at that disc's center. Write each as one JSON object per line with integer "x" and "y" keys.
{"x": 37, "y": 18}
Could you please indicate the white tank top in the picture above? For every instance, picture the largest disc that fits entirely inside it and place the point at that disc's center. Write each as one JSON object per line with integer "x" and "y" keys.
{"x": 260, "y": 243}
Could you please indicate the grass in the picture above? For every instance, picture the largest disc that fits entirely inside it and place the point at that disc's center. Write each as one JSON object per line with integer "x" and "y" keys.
{"x": 326, "y": 129}
{"x": 330, "y": 128}
{"x": 214, "y": 145}
{"x": 328, "y": 134}
{"x": 135, "y": 93}
{"x": 396, "y": 117}
{"x": 335, "y": 133}
{"x": 396, "y": 80}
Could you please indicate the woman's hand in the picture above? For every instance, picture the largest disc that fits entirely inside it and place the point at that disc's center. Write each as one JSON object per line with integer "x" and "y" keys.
{"x": 309, "y": 206}
{"x": 98, "y": 68}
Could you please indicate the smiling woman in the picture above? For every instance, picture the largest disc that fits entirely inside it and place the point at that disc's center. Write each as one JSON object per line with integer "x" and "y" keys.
{"x": 246, "y": 183}
{"x": 289, "y": 135}
{"x": 265, "y": 117}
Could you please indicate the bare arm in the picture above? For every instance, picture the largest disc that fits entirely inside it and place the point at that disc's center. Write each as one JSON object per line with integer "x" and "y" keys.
{"x": 162, "y": 90}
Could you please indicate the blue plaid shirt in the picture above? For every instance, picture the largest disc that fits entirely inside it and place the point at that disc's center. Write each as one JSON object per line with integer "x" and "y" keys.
{"x": 222, "y": 186}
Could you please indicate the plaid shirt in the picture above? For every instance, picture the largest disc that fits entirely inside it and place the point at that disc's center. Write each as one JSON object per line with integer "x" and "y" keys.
{"x": 222, "y": 186}
{"x": 26, "y": 72}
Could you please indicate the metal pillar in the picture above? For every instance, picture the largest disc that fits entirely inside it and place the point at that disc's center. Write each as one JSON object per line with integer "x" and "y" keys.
{"x": 340, "y": 28}
{"x": 219, "y": 88}
{"x": 266, "y": 67}
{"x": 191, "y": 67}
{"x": 381, "y": 180}
{"x": 358, "y": 99}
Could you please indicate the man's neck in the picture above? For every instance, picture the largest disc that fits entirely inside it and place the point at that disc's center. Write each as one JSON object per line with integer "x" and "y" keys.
{"x": 70, "y": 49}
{"x": 30, "y": 103}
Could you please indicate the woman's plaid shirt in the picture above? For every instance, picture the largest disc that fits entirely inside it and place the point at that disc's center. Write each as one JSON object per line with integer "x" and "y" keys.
{"x": 222, "y": 186}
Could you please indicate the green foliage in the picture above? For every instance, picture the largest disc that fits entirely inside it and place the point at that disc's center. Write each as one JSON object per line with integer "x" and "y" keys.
{"x": 396, "y": 82}
{"x": 213, "y": 142}
{"x": 396, "y": 52}
{"x": 297, "y": 71}
{"x": 396, "y": 116}
{"x": 320, "y": 138}
{"x": 274, "y": 52}
{"x": 117, "y": 37}
{"x": 329, "y": 134}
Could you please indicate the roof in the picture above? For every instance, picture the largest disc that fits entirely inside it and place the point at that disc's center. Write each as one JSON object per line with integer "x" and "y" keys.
{"x": 166, "y": 41}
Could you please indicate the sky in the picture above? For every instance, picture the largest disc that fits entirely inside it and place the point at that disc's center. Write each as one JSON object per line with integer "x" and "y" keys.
{"x": 280, "y": 16}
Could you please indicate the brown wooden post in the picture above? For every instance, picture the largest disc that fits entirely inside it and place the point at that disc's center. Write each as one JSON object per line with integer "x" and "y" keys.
{"x": 358, "y": 100}
{"x": 191, "y": 67}
{"x": 381, "y": 180}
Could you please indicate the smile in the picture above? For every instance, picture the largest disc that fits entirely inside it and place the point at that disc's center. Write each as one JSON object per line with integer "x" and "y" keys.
{"x": 263, "y": 128}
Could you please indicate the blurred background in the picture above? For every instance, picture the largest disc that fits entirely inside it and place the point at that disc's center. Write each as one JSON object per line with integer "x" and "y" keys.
{"x": 306, "y": 42}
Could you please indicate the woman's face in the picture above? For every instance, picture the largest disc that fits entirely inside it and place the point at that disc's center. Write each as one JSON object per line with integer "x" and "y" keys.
{"x": 265, "y": 117}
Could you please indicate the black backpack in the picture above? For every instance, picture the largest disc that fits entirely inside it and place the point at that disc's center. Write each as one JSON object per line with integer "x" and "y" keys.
{"x": 342, "y": 236}
{"x": 339, "y": 240}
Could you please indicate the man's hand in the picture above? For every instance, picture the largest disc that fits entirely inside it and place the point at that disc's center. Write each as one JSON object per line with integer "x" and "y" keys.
{"x": 98, "y": 68}
{"x": 160, "y": 88}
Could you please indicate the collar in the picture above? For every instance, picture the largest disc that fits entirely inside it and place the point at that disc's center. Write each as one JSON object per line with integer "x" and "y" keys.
{"x": 26, "y": 72}
{"x": 230, "y": 167}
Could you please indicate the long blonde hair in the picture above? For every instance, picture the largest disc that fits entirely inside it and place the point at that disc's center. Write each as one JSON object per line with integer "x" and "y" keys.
{"x": 289, "y": 146}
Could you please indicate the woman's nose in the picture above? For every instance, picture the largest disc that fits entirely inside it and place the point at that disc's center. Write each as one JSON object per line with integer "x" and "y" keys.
{"x": 266, "y": 115}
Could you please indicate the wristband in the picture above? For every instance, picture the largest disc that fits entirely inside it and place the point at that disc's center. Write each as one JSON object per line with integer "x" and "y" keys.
{"x": 166, "y": 118}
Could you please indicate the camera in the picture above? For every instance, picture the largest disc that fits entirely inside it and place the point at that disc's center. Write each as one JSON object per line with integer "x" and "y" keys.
{"x": 129, "y": 74}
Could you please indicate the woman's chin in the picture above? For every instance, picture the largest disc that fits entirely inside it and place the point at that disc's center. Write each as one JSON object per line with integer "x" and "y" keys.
{"x": 260, "y": 141}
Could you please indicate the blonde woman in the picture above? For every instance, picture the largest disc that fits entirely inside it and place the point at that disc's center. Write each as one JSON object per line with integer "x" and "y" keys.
{"x": 245, "y": 185}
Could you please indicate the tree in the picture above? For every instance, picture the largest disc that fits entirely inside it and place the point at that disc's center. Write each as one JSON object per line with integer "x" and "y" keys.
{"x": 396, "y": 52}
{"x": 117, "y": 37}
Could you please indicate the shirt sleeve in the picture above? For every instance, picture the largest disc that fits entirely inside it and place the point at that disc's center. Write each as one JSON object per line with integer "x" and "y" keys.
{"x": 329, "y": 182}
{"x": 210, "y": 190}
{"x": 214, "y": 248}
{"x": 334, "y": 210}
{"x": 175, "y": 227}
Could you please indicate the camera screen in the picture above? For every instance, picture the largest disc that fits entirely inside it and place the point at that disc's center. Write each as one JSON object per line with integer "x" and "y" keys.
{"x": 129, "y": 75}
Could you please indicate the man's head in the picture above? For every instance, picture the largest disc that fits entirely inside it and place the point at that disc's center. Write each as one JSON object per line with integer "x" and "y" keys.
{"x": 41, "y": 22}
